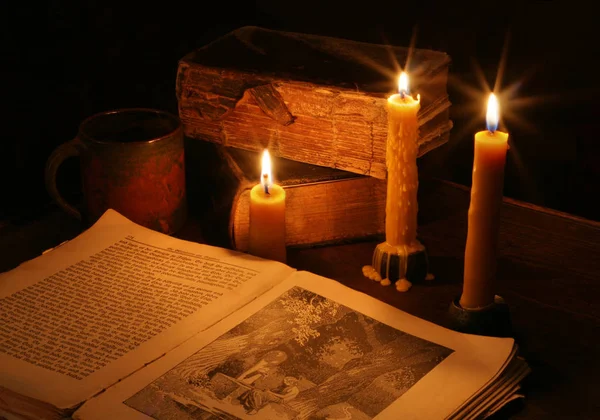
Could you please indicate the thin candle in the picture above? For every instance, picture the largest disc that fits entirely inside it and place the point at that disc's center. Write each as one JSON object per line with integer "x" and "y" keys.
{"x": 484, "y": 212}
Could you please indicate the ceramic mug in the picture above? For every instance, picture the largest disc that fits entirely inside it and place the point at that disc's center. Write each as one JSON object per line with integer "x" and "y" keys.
{"x": 131, "y": 160}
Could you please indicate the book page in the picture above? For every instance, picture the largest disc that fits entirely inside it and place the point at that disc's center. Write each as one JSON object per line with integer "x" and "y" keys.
{"x": 310, "y": 348}
{"x": 84, "y": 315}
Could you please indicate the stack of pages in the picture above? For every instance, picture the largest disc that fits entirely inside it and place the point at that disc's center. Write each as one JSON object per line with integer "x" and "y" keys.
{"x": 123, "y": 322}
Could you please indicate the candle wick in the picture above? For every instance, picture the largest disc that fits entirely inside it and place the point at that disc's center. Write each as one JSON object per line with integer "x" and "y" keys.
{"x": 266, "y": 183}
{"x": 402, "y": 94}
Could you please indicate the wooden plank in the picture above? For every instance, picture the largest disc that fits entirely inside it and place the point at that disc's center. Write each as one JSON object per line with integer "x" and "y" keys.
{"x": 528, "y": 233}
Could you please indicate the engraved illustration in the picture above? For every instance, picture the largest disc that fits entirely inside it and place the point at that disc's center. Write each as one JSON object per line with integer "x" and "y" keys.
{"x": 302, "y": 356}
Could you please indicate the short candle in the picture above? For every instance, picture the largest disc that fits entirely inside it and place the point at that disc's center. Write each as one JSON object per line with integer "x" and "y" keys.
{"x": 267, "y": 216}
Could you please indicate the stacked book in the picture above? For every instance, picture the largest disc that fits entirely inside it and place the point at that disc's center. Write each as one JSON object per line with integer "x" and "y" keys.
{"x": 319, "y": 105}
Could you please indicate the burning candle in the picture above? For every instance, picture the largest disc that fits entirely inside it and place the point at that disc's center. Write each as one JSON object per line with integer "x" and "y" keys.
{"x": 401, "y": 259}
{"x": 401, "y": 160}
{"x": 484, "y": 212}
{"x": 267, "y": 216}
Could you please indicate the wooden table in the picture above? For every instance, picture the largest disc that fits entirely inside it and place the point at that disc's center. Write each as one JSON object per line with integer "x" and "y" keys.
{"x": 548, "y": 272}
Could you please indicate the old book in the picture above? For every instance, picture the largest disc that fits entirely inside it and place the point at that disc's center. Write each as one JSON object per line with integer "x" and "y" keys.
{"x": 323, "y": 205}
{"x": 124, "y": 322}
{"x": 309, "y": 98}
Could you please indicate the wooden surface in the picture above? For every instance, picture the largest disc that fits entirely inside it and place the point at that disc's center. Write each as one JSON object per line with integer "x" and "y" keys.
{"x": 548, "y": 272}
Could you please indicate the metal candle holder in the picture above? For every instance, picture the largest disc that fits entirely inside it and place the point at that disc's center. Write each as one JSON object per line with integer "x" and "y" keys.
{"x": 492, "y": 320}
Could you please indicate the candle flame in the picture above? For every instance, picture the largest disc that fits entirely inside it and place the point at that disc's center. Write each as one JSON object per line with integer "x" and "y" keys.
{"x": 493, "y": 113}
{"x": 403, "y": 83}
{"x": 266, "y": 177}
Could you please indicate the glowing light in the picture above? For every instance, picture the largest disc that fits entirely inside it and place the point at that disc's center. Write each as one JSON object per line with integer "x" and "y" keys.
{"x": 403, "y": 83}
{"x": 493, "y": 113}
{"x": 266, "y": 177}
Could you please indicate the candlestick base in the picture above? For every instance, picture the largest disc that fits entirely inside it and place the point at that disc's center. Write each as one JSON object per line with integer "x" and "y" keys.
{"x": 492, "y": 320}
{"x": 402, "y": 265}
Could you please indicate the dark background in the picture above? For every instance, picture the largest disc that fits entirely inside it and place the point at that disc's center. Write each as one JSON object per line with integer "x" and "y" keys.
{"x": 65, "y": 60}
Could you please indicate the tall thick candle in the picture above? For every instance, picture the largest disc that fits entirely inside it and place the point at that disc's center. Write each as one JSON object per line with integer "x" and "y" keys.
{"x": 484, "y": 212}
{"x": 401, "y": 259}
{"x": 267, "y": 216}
{"x": 401, "y": 160}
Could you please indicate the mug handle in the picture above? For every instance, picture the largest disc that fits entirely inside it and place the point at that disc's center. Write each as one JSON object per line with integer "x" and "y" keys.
{"x": 56, "y": 158}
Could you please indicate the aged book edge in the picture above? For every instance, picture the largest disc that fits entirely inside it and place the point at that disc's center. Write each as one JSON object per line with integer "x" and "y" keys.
{"x": 210, "y": 89}
{"x": 248, "y": 128}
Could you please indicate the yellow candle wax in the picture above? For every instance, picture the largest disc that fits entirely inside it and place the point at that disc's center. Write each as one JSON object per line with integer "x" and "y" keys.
{"x": 267, "y": 217}
{"x": 484, "y": 213}
{"x": 401, "y": 160}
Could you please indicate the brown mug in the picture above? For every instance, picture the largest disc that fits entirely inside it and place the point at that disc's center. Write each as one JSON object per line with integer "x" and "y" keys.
{"x": 132, "y": 161}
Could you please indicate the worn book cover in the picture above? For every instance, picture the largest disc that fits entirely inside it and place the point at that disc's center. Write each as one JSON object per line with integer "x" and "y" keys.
{"x": 309, "y": 98}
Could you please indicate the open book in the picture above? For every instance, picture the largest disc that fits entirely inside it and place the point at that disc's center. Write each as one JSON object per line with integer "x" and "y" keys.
{"x": 124, "y": 322}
